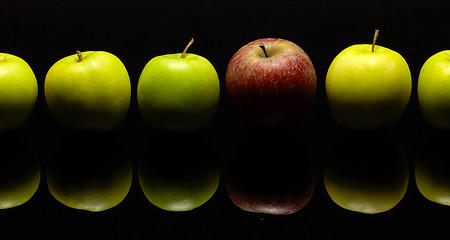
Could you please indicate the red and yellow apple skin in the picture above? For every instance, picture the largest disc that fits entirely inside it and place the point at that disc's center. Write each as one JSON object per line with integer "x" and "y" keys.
{"x": 433, "y": 90}
{"x": 274, "y": 91}
{"x": 270, "y": 173}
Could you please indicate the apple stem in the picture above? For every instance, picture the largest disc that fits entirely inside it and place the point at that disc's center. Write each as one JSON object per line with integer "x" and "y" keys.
{"x": 80, "y": 56}
{"x": 264, "y": 49}
{"x": 187, "y": 47}
{"x": 375, "y": 36}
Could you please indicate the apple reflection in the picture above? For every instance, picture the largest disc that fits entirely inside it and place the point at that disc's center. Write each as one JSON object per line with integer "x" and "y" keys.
{"x": 179, "y": 172}
{"x": 432, "y": 168}
{"x": 270, "y": 173}
{"x": 19, "y": 172}
{"x": 366, "y": 172}
{"x": 90, "y": 172}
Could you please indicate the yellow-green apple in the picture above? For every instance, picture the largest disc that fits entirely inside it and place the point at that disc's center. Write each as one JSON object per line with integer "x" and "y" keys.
{"x": 366, "y": 173}
{"x": 18, "y": 92}
{"x": 91, "y": 172}
{"x": 20, "y": 173}
{"x": 178, "y": 92}
{"x": 271, "y": 82}
{"x": 432, "y": 168}
{"x": 179, "y": 172}
{"x": 368, "y": 87}
{"x": 270, "y": 173}
{"x": 88, "y": 91}
{"x": 433, "y": 90}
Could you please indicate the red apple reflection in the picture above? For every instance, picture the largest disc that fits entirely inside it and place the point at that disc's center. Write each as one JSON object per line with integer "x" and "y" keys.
{"x": 270, "y": 173}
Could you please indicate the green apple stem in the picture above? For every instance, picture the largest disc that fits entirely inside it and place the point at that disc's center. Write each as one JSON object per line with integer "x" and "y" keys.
{"x": 187, "y": 47}
{"x": 375, "y": 36}
{"x": 263, "y": 47}
{"x": 80, "y": 56}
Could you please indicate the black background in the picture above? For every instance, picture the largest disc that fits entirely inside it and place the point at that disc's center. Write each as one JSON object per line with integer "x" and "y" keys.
{"x": 42, "y": 32}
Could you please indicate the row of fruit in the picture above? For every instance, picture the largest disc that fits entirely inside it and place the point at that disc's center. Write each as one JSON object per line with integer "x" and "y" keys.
{"x": 269, "y": 82}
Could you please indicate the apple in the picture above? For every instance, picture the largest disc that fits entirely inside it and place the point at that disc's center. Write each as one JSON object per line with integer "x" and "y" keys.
{"x": 18, "y": 92}
{"x": 20, "y": 171}
{"x": 270, "y": 173}
{"x": 366, "y": 172}
{"x": 271, "y": 82}
{"x": 91, "y": 172}
{"x": 178, "y": 92}
{"x": 368, "y": 86}
{"x": 432, "y": 168}
{"x": 433, "y": 90}
{"x": 88, "y": 91}
{"x": 179, "y": 172}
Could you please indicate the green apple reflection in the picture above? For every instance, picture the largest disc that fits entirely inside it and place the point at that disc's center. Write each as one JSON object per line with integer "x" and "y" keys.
{"x": 432, "y": 168}
{"x": 179, "y": 172}
{"x": 90, "y": 172}
{"x": 366, "y": 172}
{"x": 19, "y": 172}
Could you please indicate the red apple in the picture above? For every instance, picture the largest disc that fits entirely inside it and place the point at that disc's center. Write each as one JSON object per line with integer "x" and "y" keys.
{"x": 271, "y": 82}
{"x": 270, "y": 173}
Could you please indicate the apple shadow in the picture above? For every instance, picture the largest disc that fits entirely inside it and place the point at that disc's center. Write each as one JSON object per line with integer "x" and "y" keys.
{"x": 178, "y": 172}
{"x": 20, "y": 170}
{"x": 90, "y": 171}
{"x": 432, "y": 167}
{"x": 366, "y": 172}
{"x": 270, "y": 172}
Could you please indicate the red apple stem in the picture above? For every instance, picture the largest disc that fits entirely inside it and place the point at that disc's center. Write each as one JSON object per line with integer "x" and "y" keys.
{"x": 80, "y": 56}
{"x": 375, "y": 36}
{"x": 187, "y": 47}
{"x": 263, "y": 47}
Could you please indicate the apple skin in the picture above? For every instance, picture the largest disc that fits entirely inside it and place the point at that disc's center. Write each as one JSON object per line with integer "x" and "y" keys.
{"x": 90, "y": 171}
{"x": 274, "y": 92}
{"x": 433, "y": 90}
{"x": 177, "y": 94}
{"x": 432, "y": 167}
{"x": 366, "y": 172}
{"x": 270, "y": 173}
{"x": 89, "y": 95}
{"x": 18, "y": 92}
{"x": 20, "y": 171}
{"x": 368, "y": 90}
{"x": 179, "y": 172}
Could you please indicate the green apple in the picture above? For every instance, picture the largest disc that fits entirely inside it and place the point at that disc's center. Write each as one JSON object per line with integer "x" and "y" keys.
{"x": 432, "y": 168}
{"x": 18, "y": 92}
{"x": 88, "y": 91}
{"x": 179, "y": 173}
{"x": 178, "y": 92}
{"x": 433, "y": 90}
{"x": 91, "y": 172}
{"x": 20, "y": 171}
{"x": 368, "y": 87}
{"x": 366, "y": 173}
